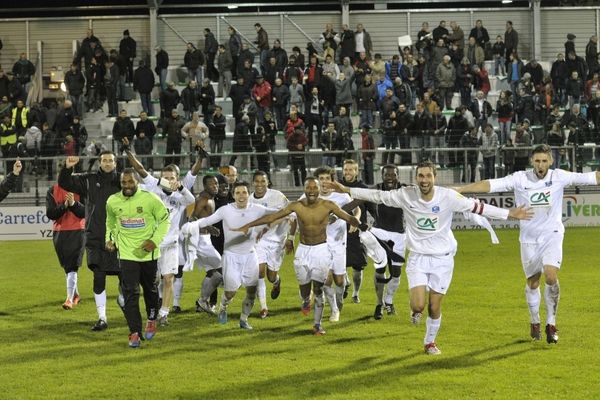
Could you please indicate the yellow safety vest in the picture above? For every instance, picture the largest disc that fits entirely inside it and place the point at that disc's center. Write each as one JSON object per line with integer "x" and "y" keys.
{"x": 24, "y": 113}
{"x": 9, "y": 139}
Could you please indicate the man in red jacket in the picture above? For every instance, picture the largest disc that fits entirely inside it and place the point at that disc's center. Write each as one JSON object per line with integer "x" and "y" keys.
{"x": 261, "y": 93}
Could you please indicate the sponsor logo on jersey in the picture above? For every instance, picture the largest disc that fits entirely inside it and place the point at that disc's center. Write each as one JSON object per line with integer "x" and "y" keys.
{"x": 427, "y": 224}
{"x": 132, "y": 223}
{"x": 539, "y": 198}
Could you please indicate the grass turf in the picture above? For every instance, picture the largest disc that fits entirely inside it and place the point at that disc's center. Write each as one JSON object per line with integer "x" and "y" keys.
{"x": 51, "y": 353}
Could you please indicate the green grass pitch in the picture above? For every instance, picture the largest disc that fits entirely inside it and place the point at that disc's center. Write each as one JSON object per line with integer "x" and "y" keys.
{"x": 49, "y": 353}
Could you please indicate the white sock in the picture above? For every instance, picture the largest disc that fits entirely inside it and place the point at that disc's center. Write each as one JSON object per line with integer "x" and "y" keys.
{"x": 357, "y": 276}
{"x": 318, "y": 309}
{"x": 339, "y": 295}
{"x": 433, "y": 326}
{"x": 392, "y": 287}
{"x": 551, "y": 296}
{"x": 163, "y": 311}
{"x": 160, "y": 288}
{"x": 71, "y": 285}
{"x": 261, "y": 292}
{"x": 224, "y": 302}
{"x": 533, "y": 298}
{"x": 101, "y": 305}
{"x": 177, "y": 290}
{"x": 247, "y": 305}
{"x": 330, "y": 294}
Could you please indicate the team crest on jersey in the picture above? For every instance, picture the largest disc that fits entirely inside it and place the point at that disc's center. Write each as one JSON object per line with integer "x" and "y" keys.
{"x": 427, "y": 224}
{"x": 435, "y": 209}
{"x": 140, "y": 210}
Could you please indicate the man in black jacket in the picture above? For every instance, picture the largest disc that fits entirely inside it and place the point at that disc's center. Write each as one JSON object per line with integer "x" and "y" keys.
{"x": 210, "y": 49}
{"x": 95, "y": 188}
{"x": 194, "y": 61}
{"x": 111, "y": 81}
{"x": 216, "y": 134}
{"x": 143, "y": 83}
{"x": 75, "y": 82}
{"x": 123, "y": 128}
{"x": 146, "y": 126}
{"x": 8, "y": 184}
{"x": 24, "y": 70}
{"x": 127, "y": 49}
{"x": 172, "y": 131}
{"x": 162, "y": 63}
{"x": 169, "y": 98}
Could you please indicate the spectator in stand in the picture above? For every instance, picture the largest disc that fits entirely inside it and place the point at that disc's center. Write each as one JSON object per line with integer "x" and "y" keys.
{"x": 70, "y": 147}
{"x": 440, "y": 32}
{"x": 121, "y": 63}
{"x": 190, "y": 99}
{"x": 522, "y": 139}
{"x": 330, "y": 36}
{"x": 576, "y": 63}
{"x": 9, "y": 183}
{"x": 347, "y": 44}
{"x": 591, "y": 55}
{"x": 146, "y": 126}
{"x": 458, "y": 36}
{"x": 470, "y": 140}
{"x": 383, "y": 84}
{"x": 8, "y": 136}
{"x": 481, "y": 109}
{"x": 280, "y": 55}
{"x": 394, "y": 68}
{"x": 162, "y": 63}
{"x": 420, "y": 129}
{"x": 194, "y": 62}
{"x": 429, "y": 103}
{"x": 127, "y": 50}
{"x": 15, "y": 89}
{"x": 270, "y": 131}
{"x": 594, "y": 112}
{"x": 297, "y": 94}
{"x": 297, "y": 142}
{"x": 75, "y": 83}
{"x": 488, "y": 146}
{"x": 94, "y": 86}
{"x": 536, "y": 71}
{"x": 292, "y": 71}
{"x": 570, "y": 44}
{"x": 314, "y": 115}
{"x": 211, "y": 47}
{"x": 195, "y": 130}
{"x": 457, "y": 127}
{"x": 404, "y": 120}
{"x": 143, "y": 83}
{"x": 64, "y": 118}
{"x": 280, "y": 98}
{"x": 445, "y": 76}
{"x": 33, "y": 143}
{"x": 511, "y": 42}
{"x": 312, "y": 75}
{"x": 329, "y": 142}
{"x": 592, "y": 86}
{"x": 216, "y": 134}
{"x": 262, "y": 94}
{"x": 262, "y": 42}
{"x": 438, "y": 136}
{"x": 6, "y": 107}
{"x": 207, "y": 97}
{"x": 556, "y": 139}
{"x": 79, "y": 134}
{"x": 298, "y": 58}
{"x": 574, "y": 115}
{"x": 474, "y": 53}
{"x": 250, "y": 109}
{"x": 24, "y": 69}
{"x": 361, "y": 68}
{"x": 465, "y": 80}
{"x": 225, "y": 65}
{"x": 169, "y": 98}
{"x": 378, "y": 67}
{"x": 456, "y": 54}
{"x": 514, "y": 73}
{"x": 481, "y": 79}
{"x": 481, "y": 35}
{"x": 235, "y": 47}
{"x": 261, "y": 146}
{"x": 294, "y": 122}
{"x": 143, "y": 147}
{"x": 111, "y": 82}
{"x": 525, "y": 108}
{"x": 242, "y": 142}
{"x": 123, "y": 128}
{"x": 3, "y": 84}
{"x": 249, "y": 73}
{"x": 574, "y": 89}
{"x": 87, "y": 48}
{"x": 362, "y": 40}
{"x": 237, "y": 94}
{"x": 272, "y": 71}
{"x": 508, "y": 154}
{"x": 553, "y": 118}
{"x": 343, "y": 93}
{"x": 499, "y": 52}
{"x": 327, "y": 91}
{"x": 172, "y": 131}
{"x": 245, "y": 55}
{"x": 51, "y": 147}
{"x": 366, "y": 98}
{"x": 437, "y": 56}
{"x": 504, "y": 108}
{"x": 20, "y": 115}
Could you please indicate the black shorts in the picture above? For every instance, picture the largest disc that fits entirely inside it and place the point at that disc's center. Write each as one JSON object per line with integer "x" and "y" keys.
{"x": 102, "y": 260}
{"x": 355, "y": 253}
{"x": 69, "y": 247}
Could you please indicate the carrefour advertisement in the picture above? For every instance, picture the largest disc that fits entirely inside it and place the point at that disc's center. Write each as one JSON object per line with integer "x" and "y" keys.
{"x": 24, "y": 223}
{"x": 578, "y": 210}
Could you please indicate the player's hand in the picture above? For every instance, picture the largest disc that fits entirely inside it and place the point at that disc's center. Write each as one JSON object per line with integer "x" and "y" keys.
{"x": 213, "y": 230}
{"x": 17, "y": 167}
{"x": 110, "y": 246}
{"x": 261, "y": 233}
{"x": 174, "y": 185}
{"x": 125, "y": 141}
{"x": 352, "y": 229}
{"x": 71, "y": 161}
{"x": 521, "y": 212}
{"x": 148, "y": 246}
{"x": 336, "y": 187}
{"x": 244, "y": 229}
{"x": 69, "y": 199}
{"x": 289, "y": 246}
{"x": 332, "y": 218}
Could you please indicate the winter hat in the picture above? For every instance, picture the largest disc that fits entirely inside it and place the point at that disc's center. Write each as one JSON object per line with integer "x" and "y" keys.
{"x": 570, "y": 36}
{"x": 126, "y": 32}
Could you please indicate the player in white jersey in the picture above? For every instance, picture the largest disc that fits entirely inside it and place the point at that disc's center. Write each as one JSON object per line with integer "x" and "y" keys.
{"x": 337, "y": 236}
{"x": 541, "y": 238}
{"x": 313, "y": 258}
{"x": 240, "y": 264}
{"x": 428, "y": 212}
{"x": 271, "y": 244}
{"x": 176, "y": 197}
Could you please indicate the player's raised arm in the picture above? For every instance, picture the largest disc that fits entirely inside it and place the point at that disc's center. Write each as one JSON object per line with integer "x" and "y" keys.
{"x": 476, "y": 187}
{"x": 351, "y": 219}
{"x": 267, "y": 219}
{"x": 139, "y": 168}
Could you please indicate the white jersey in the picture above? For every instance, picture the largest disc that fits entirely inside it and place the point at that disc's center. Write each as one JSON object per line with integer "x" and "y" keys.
{"x": 176, "y": 202}
{"x": 276, "y": 200}
{"x": 337, "y": 231}
{"x": 429, "y": 223}
{"x": 233, "y": 217}
{"x": 544, "y": 196}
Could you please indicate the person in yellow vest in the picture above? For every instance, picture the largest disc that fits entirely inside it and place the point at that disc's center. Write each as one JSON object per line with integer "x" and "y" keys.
{"x": 19, "y": 118}
{"x": 8, "y": 136}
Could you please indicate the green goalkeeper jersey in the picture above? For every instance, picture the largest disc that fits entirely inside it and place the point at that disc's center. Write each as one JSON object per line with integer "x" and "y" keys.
{"x": 132, "y": 220}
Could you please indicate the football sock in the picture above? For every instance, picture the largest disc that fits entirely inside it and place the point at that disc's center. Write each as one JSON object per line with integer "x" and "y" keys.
{"x": 330, "y": 294}
{"x": 224, "y": 302}
{"x": 163, "y": 312}
{"x": 379, "y": 286}
{"x": 392, "y": 287}
{"x": 247, "y": 305}
{"x": 210, "y": 284}
{"x": 71, "y": 285}
{"x": 101, "y": 304}
{"x": 261, "y": 292}
{"x": 160, "y": 288}
{"x": 533, "y": 298}
{"x": 357, "y": 276}
{"x": 551, "y": 296}
{"x": 318, "y": 308}
{"x": 433, "y": 326}
{"x": 339, "y": 295}
{"x": 177, "y": 290}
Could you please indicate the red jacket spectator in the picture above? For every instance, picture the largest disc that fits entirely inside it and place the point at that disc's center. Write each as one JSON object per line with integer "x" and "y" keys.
{"x": 261, "y": 92}
{"x": 482, "y": 81}
{"x": 292, "y": 124}
{"x": 297, "y": 141}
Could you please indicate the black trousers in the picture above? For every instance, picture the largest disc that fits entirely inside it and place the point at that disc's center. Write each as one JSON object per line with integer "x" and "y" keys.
{"x": 134, "y": 274}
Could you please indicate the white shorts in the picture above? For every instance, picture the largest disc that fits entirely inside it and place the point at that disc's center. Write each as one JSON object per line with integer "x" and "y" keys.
{"x": 312, "y": 263}
{"x": 270, "y": 253}
{"x": 548, "y": 252}
{"x": 239, "y": 270}
{"x": 399, "y": 240}
{"x": 338, "y": 258}
{"x": 435, "y": 272}
{"x": 208, "y": 256}
{"x": 168, "y": 262}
